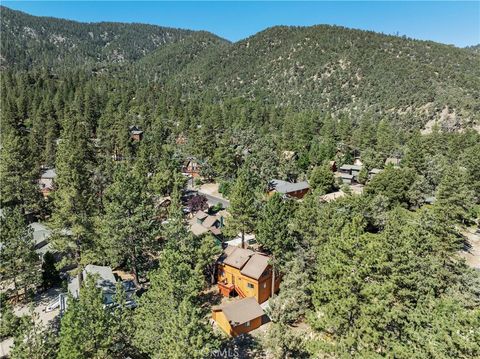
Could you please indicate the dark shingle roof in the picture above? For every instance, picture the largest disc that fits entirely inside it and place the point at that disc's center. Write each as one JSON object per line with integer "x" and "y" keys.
{"x": 255, "y": 266}
{"x": 236, "y": 257}
{"x": 285, "y": 187}
{"x": 242, "y": 311}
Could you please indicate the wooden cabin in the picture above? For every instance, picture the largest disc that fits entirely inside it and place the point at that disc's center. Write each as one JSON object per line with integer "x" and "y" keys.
{"x": 296, "y": 190}
{"x": 245, "y": 273}
{"x": 239, "y": 317}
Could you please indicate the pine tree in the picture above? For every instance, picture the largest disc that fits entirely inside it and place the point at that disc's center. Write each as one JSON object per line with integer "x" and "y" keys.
{"x": 17, "y": 173}
{"x": 273, "y": 232}
{"x": 322, "y": 180}
{"x": 454, "y": 196}
{"x": 291, "y": 304}
{"x": 386, "y": 139}
{"x": 471, "y": 161}
{"x": 74, "y": 198}
{"x": 35, "y": 341}
{"x": 19, "y": 263}
{"x": 86, "y": 328}
{"x": 243, "y": 205}
{"x": 129, "y": 231}
{"x": 415, "y": 156}
{"x": 168, "y": 320}
{"x": 50, "y": 274}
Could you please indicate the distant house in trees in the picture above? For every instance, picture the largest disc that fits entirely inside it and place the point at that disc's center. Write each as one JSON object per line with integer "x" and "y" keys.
{"x": 392, "y": 161}
{"x": 245, "y": 273}
{"x": 105, "y": 280}
{"x": 349, "y": 173}
{"x": 136, "y": 134}
{"x": 239, "y": 317}
{"x": 289, "y": 189}
{"x": 354, "y": 170}
{"x": 41, "y": 235}
{"x": 204, "y": 223}
{"x": 346, "y": 178}
{"x": 191, "y": 167}
{"x": 46, "y": 181}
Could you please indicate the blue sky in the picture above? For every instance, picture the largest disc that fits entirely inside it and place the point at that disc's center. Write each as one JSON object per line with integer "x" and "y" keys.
{"x": 450, "y": 22}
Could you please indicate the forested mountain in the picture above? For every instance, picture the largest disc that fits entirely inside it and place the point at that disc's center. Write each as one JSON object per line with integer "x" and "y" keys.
{"x": 321, "y": 67}
{"x": 338, "y": 68}
{"x": 31, "y": 41}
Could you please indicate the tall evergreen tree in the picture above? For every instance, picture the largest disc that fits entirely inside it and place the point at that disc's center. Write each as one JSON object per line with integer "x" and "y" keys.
{"x": 322, "y": 180}
{"x": 128, "y": 228}
{"x": 243, "y": 205}
{"x": 74, "y": 199}
{"x": 19, "y": 263}
{"x": 35, "y": 340}
{"x": 17, "y": 172}
{"x": 86, "y": 328}
{"x": 168, "y": 320}
{"x": 274, "y": 233}
{"x": 454, "y": 195}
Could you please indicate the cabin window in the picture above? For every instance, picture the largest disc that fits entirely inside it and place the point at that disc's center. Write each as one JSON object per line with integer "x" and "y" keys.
{"x": 247, "y": 324}
{"x": 250, "y": 285}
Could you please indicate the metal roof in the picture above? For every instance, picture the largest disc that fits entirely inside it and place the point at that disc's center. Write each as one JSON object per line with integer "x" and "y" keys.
{"x": 350, "y": 168}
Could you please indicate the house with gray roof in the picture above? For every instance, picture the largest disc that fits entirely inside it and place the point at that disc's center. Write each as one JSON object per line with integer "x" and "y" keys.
{"x": 289, "y": 189}
{"x": 106, "y": 281}
{"x": 46, "y": 181}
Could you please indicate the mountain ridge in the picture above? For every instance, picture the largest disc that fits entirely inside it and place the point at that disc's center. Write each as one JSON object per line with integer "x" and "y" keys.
{"x": 321, "y": 67}
{"x": 77, "y": 43}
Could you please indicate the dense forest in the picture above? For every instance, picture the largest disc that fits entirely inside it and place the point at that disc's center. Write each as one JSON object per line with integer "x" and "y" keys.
{"x": 370, "y": 276}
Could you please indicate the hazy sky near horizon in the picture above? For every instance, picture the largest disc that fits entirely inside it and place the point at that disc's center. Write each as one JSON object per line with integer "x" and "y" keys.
{"x": 449, "y": 22}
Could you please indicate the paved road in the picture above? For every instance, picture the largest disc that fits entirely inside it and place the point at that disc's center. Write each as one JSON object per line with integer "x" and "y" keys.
{"x": 213, "y": 200}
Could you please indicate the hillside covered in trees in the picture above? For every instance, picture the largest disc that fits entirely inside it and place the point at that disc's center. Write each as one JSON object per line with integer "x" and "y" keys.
{"x": 119, "y": 111}
{"x": 320, "y": 67}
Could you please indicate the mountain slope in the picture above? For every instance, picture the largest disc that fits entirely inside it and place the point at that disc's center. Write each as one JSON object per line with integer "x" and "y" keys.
{"x": 338, "y": 68}
{"x": 167, "y": 61}
{"x": 28, "y": 41}
{"x": 344, "y": 71}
